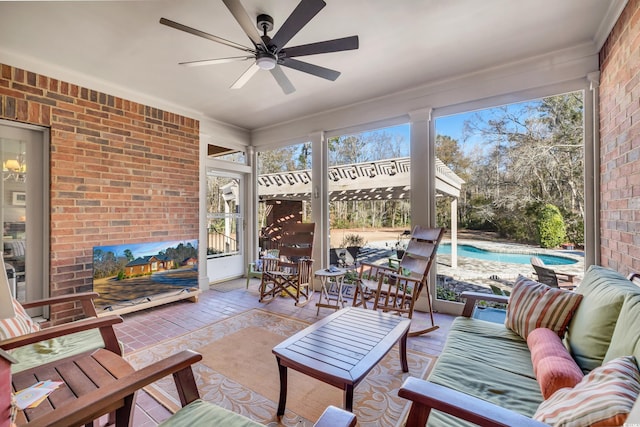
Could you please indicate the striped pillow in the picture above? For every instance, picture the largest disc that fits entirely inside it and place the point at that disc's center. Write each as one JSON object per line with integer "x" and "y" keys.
{"x": 534, "y": 305}
{"x": 19, "y": 325}
{"x": 603, "y": 398}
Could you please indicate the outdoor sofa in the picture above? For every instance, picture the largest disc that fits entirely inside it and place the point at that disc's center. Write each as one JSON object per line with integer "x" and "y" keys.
{"x": 486, "y": 375}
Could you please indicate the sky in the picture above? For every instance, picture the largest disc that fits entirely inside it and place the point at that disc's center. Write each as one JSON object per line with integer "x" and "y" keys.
{"x": 144, "y": 249}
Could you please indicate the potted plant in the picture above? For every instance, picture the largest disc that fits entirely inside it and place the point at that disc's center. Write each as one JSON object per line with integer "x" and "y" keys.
{"x": 401, "y": 245}
{"x": 353, "y": 243}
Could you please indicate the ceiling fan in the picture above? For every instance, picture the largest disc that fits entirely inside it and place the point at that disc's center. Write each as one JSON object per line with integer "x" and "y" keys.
{"x": 271, "y": 53}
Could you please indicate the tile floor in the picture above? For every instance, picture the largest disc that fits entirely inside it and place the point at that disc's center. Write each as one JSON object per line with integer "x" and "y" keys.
{"x": 146, "y": 327}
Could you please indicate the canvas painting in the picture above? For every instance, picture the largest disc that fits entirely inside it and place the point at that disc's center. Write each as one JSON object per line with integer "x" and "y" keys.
{"x": 134, "y": 273}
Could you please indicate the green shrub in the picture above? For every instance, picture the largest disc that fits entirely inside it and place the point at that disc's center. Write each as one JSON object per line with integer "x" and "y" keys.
{"x": 551, "y": 228}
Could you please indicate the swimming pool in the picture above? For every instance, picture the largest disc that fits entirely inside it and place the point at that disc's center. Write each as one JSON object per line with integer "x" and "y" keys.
{"x": 515, "y": 258}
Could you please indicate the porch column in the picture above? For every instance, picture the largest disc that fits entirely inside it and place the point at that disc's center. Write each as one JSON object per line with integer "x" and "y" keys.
{"x": 423, "y": 183}
{"x": 592, "y": 171}
{"x": 454, "y": 232}
{"x": 423, "y": 176}
{"x": 319, "y": 201}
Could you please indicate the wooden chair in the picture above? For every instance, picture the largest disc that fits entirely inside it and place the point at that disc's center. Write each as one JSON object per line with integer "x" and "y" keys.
{"x": 551, "y": 277}
{"x": 397, "y": 290}
{"x": 66, "y": 339}
{"x": 292, "y": 273}
{"x": 256, "y": 272}
{"x": 194, "y": 412}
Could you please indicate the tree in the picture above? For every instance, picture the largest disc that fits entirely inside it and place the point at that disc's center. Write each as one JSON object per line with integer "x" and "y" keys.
{"x": 534, "y": 157}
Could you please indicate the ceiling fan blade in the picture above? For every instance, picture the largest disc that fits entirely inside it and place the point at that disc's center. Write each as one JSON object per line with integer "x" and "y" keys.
{"x": 244, "y": 78}
{"x": 301, "y": 15}
{"x": 316, "y": 70}
{"x": 248, "y": 26}
{"x": 215, "y": 61}
{"x": 202, "y": 34}
{"x": 336, "y": 45}
{"x": 283, "y": 80}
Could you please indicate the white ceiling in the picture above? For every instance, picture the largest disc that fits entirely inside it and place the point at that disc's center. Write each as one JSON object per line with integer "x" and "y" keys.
{"x": 403, "y": 44}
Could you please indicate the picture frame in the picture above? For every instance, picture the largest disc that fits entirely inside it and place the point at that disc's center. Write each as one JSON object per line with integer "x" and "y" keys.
{"x": 19, "y": 198}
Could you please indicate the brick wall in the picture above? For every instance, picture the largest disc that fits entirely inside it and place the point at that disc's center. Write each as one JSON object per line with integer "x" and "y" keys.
{"x": 120, "y": 172}
{"x": 620, "y": 143}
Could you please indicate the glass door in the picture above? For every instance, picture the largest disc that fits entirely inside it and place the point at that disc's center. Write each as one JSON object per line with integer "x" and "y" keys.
{"x": 225, "y": 222}
{"x": 23, "y": 211}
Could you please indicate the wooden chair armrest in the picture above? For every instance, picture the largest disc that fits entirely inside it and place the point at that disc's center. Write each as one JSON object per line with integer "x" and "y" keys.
{"x": 92, "y": 405}
{"x": 381, "y": 269}
{"x": 336, "y": 417}
{"x": 426, "y": 396}
{"x": 473, "y": 297}
{"x": 86, "y": 298}
{"x": 567, "y": 277}
{"x": 104, "y": 323}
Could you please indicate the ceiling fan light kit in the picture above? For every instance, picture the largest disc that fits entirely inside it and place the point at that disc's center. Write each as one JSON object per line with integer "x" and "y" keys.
{"x": 271, "y": 53}
{"x": 266, "y": 61}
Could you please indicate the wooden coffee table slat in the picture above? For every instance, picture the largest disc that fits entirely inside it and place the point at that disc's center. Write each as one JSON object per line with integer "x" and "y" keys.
{"x": 341, "y": 349}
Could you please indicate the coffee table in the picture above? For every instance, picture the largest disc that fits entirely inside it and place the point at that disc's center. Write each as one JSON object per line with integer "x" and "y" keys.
{"x": 341, "y": 349}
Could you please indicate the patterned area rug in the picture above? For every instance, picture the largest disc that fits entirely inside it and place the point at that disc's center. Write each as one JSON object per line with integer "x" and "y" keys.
{"x": 239, "y": 372}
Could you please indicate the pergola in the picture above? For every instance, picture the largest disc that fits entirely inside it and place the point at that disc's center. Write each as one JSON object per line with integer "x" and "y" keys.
{"x": 387, "y": 179}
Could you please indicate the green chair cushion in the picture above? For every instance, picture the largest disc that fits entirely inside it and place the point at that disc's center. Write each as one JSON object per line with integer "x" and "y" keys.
{"x": 592, "y": 326}
{"x": 54, "y": 349}
{"x": 201, "y": 413}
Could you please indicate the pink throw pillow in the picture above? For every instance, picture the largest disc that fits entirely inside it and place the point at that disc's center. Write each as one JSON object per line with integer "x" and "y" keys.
{"x": 552, "y": 364}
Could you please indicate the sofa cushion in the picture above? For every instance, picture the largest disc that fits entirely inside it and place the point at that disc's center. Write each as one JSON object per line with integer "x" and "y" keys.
{"x": 626, "y": 335}
{"x": 488, "y": 361}
{"x": 591, "y": 328}
{"x": 200, "y": 413}
{"x": 603, "y": 398}
{"x": 18, "y": 325}
{"x": 552, "y": 363}
{"x": 534, "y": 305}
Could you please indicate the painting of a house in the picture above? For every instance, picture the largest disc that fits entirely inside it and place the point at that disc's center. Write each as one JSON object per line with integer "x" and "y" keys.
{"x": 138, "y": 272}
{"x": 149, "y": 264}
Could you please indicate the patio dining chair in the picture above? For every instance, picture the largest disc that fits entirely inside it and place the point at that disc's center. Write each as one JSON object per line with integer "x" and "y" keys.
{"x": 397, "y": 290}
{"x": 292, "y": 273}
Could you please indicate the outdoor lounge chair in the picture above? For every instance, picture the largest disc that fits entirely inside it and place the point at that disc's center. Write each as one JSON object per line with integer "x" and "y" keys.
{"x": 397, "y": 290}
{"x": 562, "y": 280}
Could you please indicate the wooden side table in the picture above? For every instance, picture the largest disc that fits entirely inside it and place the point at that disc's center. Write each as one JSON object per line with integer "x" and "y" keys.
{"x": 326, "y": 276}
{"x": 81, "y": 374}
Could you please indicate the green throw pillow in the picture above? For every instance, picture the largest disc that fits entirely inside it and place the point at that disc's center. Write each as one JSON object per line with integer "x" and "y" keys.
{"x": 626, "y": 335}
{"x": 592, "y": 326}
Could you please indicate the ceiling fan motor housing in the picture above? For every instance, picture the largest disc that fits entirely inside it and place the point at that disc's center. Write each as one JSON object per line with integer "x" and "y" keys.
{"x": 265, "y": 23}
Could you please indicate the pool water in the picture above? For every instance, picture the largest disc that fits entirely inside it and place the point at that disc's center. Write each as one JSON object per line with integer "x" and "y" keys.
{"x": 515, "y": 258}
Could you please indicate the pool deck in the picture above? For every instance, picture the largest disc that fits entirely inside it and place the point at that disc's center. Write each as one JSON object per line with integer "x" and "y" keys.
{"x": 483, "y": 272}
